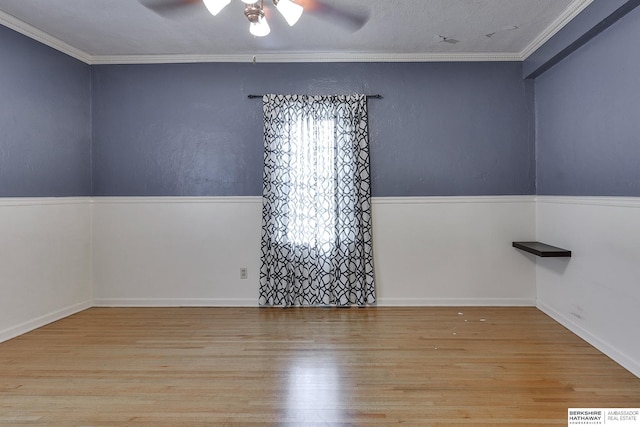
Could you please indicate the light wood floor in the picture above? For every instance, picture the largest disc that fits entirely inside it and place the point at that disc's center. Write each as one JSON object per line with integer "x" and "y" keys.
{"x": 251, "y": 366}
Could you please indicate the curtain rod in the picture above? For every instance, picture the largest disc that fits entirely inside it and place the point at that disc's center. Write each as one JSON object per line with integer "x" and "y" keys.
{"x": 368, "y": 96}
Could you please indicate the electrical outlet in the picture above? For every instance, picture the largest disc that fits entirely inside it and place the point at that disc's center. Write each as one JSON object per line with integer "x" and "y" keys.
{"x": 243, "y": 273}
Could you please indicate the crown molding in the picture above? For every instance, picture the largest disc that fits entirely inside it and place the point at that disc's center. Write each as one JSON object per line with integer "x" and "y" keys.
{"x": 307, "y": 57}
{"x": 569, "y": 13}
{"x": 34, "y": 33}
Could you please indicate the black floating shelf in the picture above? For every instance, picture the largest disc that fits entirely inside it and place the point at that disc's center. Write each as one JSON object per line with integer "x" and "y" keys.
{"x": 542, "y": 249}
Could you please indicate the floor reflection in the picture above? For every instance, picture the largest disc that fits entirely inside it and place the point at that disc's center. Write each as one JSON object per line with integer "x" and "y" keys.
{"x": 315, "y": 390}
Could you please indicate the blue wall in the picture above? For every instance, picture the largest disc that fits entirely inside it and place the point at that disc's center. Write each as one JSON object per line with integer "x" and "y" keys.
{"x": 588, "y": 117}
{"x": 189, "y": 129}
{"x": 441, "y": 129}
{"x": 45, "y": 120}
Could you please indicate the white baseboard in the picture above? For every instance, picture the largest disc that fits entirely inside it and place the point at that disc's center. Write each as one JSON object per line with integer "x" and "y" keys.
{"x": 41, "y": 321}
{"x": 175, "y": 302}
{"x": 384, "y": 302}
{"x": 456, "y": 302}
{"x": 623, "y": 360}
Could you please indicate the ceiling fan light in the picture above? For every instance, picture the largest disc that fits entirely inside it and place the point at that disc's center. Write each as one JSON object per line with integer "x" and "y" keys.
{"x": 290, "y": 10}
{"x": 260, "y": 28}
{"x": 215, "y": 6}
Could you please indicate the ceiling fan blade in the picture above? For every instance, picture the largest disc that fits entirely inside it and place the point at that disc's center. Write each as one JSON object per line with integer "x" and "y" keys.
{"x": 169, "y": 8}
{"x": 349, "y": 19}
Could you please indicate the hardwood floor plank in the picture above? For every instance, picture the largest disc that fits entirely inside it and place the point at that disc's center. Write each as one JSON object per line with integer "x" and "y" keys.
{"x": 434, "y": 366}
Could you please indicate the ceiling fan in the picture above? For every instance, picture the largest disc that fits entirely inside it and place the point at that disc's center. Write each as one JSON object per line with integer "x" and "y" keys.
{"x": 254, "y": 10}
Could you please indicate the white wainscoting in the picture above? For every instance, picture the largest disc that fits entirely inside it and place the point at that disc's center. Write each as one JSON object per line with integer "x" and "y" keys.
{"x": 61, "y": 255}
{"x": 175, "y": 251}
{"x": 596, "y": 292}
{"x": 45, "y": 261}
{"x": 453, "y": 250}
{"x": 186, "y": 251}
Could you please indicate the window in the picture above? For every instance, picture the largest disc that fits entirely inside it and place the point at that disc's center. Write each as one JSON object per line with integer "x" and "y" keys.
{"x": 312, "y": 196}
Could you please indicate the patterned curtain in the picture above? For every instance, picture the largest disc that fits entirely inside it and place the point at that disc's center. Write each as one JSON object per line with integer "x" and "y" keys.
{"x": 316, "y": 213}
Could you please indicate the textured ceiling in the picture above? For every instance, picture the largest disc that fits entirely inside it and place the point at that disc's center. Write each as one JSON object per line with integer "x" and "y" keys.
{"x": 110, "y": 30}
